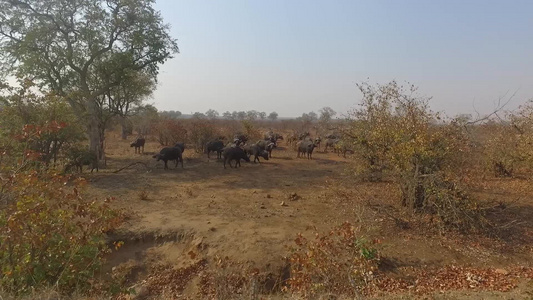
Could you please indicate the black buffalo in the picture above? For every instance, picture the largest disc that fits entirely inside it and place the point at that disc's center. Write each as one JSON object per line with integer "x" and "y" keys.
{"x": 235, "y": 154}
{"x": 181, "y": 146}
{"x": 79, "y": 158}
{"x": 138, "y": 144}
{"x": 215, "y": 146}
{"x": 170, "y": 153}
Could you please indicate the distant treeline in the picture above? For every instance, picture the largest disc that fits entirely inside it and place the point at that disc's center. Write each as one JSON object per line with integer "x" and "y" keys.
{"x": 245, "y": 115}
{"x": 213, "y": 114}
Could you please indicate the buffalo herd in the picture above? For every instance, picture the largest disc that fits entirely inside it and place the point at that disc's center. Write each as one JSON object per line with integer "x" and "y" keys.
{"x": 241, "y": 149}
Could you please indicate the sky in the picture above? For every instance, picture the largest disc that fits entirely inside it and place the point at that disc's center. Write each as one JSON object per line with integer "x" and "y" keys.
{"x": 294, "y": 56}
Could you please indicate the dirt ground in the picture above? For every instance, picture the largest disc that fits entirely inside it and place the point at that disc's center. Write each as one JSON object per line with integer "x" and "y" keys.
{"x": 203, "y": 211}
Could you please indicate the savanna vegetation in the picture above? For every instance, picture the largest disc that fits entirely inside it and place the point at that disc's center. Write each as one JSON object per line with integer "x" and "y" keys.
{"x": 423, "y": 203}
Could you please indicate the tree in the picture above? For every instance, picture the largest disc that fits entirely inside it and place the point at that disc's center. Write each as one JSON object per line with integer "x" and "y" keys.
{"x": 463, "y": 118}
{"x": 252, "y": 115}
{"x": 121, "y": 100}
{"x": 227, "y": 115}
{"x": 81, "y": 49}
{"x": 273, "y": 116}
{"x": 144, "y": 117}
{"x": 262, "y": 115}
{"x": 307, "y": 120}
{"x": 212, "y": 114}
{"x": 198, "y": 115}
{"x": 312, "y": 116}
{"x": 171, "y": 114}
{"x": 241, "y": 115}
{"x": 326, "y": 114}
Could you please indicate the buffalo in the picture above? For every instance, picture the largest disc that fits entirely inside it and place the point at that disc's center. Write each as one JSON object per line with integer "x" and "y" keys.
{"x": 268, "y": 146}
{"x": 235, "y": 154}
{"x": 79, "y": 158}
{"x": 331, "y": 143}
{"x": 138, "y": 144}
{"x": 306, "y": 147}
{"x": 256, "y": 152}
{"x": 215, "y": 146}
{"x": 181, "y": 146}
{"x": 170, "y": 153}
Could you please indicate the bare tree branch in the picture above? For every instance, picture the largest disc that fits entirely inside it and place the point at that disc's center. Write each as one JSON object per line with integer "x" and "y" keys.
{"x": 498, "y": 107}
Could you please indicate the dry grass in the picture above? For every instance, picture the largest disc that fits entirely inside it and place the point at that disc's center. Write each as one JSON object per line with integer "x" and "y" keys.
{"x": 237, "y": 214}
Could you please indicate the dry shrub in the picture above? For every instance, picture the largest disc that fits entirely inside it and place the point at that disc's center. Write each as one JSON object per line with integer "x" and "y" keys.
{"x": 228, "y": 128}
{"x": 395, "y": 133}
{"x": 500, "y": 151}
{"x": 250, "y": 131}
{"x": 227, "y": 279}
{"x": 170, "y": 282}
{"x": 507, "y": 148}
{"x": 50, "y": 235}
{"x": 41, "y": 294}
{"x": 202, "y": 131}
{"x": 339, "y": 262}
{"x": 451, "y": 206}
{"x": 169, "y": 132}
{"x": 230, "y": 280}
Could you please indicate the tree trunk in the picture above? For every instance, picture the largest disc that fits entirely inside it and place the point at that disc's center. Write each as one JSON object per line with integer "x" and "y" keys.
{"x": 94, "y": 137}
{"x": 420, "y": 195}
{"x": 94, "y": 129}
{"x": 124, "y": 133}
{"x": 101, "y": 149}
{"x": 126, "y": 127}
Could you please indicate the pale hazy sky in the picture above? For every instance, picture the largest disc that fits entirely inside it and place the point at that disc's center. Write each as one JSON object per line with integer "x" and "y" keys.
{"x": 297, "y": 56}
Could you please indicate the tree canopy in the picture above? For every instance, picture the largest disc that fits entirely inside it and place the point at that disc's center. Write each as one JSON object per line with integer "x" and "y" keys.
{"x": 212, "y": 114}
{"x": 326, "y": 114}
{"x": 83, "y": 49}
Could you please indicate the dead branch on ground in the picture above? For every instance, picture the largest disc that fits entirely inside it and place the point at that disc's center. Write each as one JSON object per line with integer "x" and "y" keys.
{"x": 132, "y": 164}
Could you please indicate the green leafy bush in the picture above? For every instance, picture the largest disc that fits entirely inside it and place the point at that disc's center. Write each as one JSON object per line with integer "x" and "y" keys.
{"x": 50, "y": 235}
